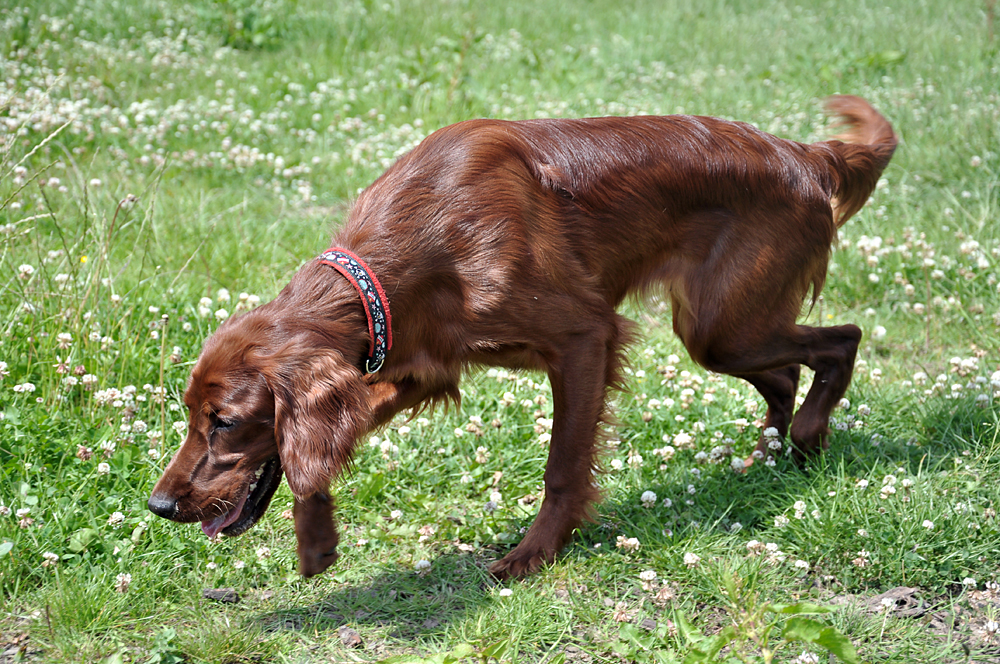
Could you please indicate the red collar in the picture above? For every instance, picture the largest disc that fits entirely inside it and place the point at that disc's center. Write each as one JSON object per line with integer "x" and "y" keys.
{"x": 373, "y": 299}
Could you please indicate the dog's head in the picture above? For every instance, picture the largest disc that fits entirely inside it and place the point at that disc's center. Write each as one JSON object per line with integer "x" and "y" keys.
{"x": 261, "y": 402}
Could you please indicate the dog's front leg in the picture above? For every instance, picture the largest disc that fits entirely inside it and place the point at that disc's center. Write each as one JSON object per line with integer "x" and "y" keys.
{"x": 580, "y": 376}
{"x": 316, "y": 534}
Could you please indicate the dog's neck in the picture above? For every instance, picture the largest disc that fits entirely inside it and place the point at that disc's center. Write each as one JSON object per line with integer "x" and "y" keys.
{"x": 373, "y": 300}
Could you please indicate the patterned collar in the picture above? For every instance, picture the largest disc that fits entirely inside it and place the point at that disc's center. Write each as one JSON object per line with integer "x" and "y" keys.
{"x": 373, "y": 298}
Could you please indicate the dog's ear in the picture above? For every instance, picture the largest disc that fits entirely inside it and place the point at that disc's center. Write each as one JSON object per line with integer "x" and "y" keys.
{"x": 321, "y": 408}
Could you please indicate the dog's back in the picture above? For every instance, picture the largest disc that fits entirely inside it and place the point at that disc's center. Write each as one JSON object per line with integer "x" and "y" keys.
{"x": 627, "y": 202}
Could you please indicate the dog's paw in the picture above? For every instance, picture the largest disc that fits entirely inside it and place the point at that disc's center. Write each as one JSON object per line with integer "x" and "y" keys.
{"x": 314, "y": 562}
{"x": 518, "y": 563}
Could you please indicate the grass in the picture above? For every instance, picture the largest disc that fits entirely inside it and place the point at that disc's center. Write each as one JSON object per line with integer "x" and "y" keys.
{"x": 167, "y": 164}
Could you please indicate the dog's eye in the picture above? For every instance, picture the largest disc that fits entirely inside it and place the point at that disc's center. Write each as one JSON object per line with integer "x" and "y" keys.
{"x": 220, "y": 424}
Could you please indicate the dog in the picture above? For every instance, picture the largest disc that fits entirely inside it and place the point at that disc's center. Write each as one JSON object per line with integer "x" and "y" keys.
{"x": 511, "y": 244}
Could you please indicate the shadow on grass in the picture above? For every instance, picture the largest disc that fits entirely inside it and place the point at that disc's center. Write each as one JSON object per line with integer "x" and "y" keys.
{"x": 406, "y": 603}
{"x": 401, "y": 604}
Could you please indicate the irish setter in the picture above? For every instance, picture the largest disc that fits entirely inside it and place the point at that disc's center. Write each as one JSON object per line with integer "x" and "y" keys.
{"x": 512, "y": 244}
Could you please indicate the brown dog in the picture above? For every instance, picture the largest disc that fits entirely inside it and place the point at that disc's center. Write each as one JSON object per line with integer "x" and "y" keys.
{"x": 512, "y": 244}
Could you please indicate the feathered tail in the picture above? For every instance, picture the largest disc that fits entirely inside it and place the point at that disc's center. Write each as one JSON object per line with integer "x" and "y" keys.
{"x": 860, "y": 153}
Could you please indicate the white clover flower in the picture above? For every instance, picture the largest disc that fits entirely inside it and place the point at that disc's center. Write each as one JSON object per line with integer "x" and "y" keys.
{"x": 801, "y": 564}
{"x": 781, "y": 521}
{"x": 682, "y": 439}
{"x": 506, "y": 592}
{"x": 122, "y": 582}
{"x": 648, "y": 498}
{"x": 691, "y": 559}
{"x": 263, "y": 553}
{"x": 422, "y": 565}
{"x": 25, "y": 271}
{"x": 738, "y": 465}
{"x": 153, "y": 454}
{"x": 969, "y": 582}
{"x": 116, "y": 519}
{"x": 928, "y": 524}
{"x": 647, "y": 575}
{"x": 103, "y": 468}
{"x": 24, "y": 387}
{"x": 616, "y": 464}
{"x": 862, "y": 484}
{"x": 878, "y": 333}
{"x": 627, "y": 543}
{"x": 50, "y": 559}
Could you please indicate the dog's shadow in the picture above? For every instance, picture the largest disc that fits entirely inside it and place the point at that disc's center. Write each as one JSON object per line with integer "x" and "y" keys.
{"x": 410, "y": 605}
{"x": 405, "y": 602}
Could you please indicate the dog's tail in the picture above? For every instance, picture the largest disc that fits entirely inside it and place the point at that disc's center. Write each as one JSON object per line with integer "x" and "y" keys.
{"x": 860, "y": 153}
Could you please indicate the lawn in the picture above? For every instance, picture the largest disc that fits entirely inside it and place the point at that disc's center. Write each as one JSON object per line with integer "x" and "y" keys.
{"x": 165, "y": 165}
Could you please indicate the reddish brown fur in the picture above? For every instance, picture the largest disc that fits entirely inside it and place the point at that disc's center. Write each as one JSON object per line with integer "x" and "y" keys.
{"x": 511, "y": 244}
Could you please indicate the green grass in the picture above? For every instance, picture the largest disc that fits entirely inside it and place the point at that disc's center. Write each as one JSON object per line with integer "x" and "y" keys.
{"x": 155, "y": 152}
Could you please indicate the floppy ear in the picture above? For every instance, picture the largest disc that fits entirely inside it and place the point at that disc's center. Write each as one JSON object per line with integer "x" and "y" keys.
{"x": 321, "y": 407}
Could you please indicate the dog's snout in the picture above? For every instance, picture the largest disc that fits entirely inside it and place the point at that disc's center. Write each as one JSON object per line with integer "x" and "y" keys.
{"x": 162, "y": 506}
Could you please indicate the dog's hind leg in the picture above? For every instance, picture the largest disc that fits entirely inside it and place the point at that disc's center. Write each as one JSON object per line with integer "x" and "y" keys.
{"x": 736, "y": 315}
{"x": 833, "y": 351}
{"x": 764, "y": 354}
{"x": 586, "y": 365}
{"x": 778, "y": 388}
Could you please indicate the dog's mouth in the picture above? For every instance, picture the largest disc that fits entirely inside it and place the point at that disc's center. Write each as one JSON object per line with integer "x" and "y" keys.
{"x": 255, "y": 497}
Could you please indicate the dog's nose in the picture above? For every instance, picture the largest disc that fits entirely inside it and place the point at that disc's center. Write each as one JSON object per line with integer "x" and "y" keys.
{"x": 162, "y": 506}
